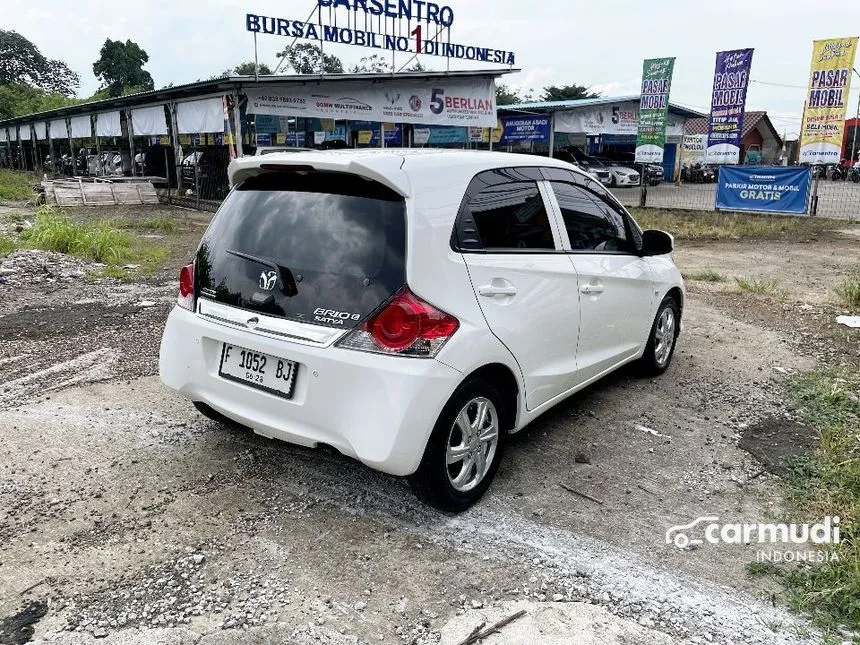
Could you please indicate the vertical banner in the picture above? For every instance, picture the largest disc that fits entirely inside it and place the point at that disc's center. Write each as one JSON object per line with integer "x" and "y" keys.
{"x": 827, "y": 100}
{"x": 729, "y": 96}
{"x": 654, "y": 109}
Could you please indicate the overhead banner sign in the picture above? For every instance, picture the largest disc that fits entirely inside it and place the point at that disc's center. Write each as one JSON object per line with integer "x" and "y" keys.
{"x": 728, "y": 99}
{"x": 768, "y": 189}
{"x": 406, "y": 26}
{"x": 525, "y": 128}
{"x": 826, "y": 100}
{"x": 444, "y": 102}
{"x": 654, "y": 109}
{"x": 614, "y": 119}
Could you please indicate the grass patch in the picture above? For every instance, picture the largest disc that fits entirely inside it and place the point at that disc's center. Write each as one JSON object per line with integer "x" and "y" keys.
{"x": 166, "y": 225}
{"x": 827, "y": 482}
{"x": 16, "y": 185}
{"x": 764, "y": 286}
{"x": 708, "y": 275}
{"x": 7, "y": 245}
{"x": 100, "y": 241}
{"x": 703, "y": 225}
{"x": 849, "y": 290}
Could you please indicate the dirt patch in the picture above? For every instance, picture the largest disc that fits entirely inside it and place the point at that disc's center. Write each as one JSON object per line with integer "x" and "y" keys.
{"x": 776, "y": 442}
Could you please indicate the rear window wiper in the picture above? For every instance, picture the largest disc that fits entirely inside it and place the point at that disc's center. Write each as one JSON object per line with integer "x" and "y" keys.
{"x": 288, "y": 283}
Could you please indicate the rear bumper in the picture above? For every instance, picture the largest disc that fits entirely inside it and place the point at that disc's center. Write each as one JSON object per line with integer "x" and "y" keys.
{"x": 377, "y": 409}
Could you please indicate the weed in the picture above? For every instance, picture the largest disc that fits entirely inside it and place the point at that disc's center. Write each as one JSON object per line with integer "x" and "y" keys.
{"x": 708, "y": 275}
{"x": 99, "y": 241}
{"x": 849, "y": 290}
{"x": 16, "y": 185}
{"x": 700, "y": 225}
{"x": 7, "y": 245}
{"x": 762, "y": 286}
{"x": 827, "y": 482}
{"x": 166, "y": 225}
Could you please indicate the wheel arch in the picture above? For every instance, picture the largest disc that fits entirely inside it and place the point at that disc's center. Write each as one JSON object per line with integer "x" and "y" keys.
{"x": 501, "y": 376}
{"x": 678, "y": 295}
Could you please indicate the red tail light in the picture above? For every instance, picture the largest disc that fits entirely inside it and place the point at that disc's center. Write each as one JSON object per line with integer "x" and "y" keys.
{"x": 186, "y": 287}
{"x": 406, "y": 326}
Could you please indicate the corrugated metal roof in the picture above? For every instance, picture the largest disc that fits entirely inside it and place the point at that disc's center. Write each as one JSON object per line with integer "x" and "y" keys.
{"x": 559, "y": 106}
{"x": 228, "y": 84}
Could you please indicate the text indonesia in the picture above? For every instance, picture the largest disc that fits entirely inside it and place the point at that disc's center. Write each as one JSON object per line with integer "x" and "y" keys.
{"x": 425, "y": 14}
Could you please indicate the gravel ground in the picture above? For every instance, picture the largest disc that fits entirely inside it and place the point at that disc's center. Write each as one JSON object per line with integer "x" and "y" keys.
{"x": 131, "y": 519}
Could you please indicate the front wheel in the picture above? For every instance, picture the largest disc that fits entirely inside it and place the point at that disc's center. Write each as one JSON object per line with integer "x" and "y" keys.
{"x": 464, "y": 449}
{"x": 661, "y": 342}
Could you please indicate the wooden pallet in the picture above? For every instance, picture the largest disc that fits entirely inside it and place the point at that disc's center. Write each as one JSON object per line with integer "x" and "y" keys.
{"x": 102, "y": 193}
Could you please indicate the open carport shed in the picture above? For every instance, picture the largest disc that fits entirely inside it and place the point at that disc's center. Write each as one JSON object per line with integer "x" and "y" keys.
{"x": 603, "y": 124}
{"x": 235, "y": 114}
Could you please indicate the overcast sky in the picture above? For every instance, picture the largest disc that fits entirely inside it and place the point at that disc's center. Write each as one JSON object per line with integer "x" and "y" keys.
{"x": 599, "y": 43}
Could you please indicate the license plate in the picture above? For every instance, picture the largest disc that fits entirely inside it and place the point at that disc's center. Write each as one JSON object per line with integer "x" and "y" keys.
{"x": 262, "y": 371}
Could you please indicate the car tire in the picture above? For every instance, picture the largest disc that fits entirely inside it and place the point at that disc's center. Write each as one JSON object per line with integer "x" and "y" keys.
{"x": 444, "y": 485}
{"x": 612, "y": 182}
{"x": 658, "y": 355}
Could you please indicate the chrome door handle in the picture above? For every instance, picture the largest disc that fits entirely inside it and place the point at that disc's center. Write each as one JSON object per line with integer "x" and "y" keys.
{"x": 591, "y": 289}
{"x": 489, "y": 291}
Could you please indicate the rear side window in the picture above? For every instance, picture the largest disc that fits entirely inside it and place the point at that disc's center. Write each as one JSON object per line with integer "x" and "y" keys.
{"x": 322, "y": 248}
{"x": 591, "y": 225}
{"x": 511, "y": 215}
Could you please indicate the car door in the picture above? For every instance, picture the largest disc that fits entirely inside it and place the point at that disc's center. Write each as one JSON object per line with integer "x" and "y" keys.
{"x": 522, "y": 278}
{"x": 615, "y": 283}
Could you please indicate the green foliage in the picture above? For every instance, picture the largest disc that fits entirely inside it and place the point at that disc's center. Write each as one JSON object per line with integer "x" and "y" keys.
{"x": 21, "y": 63}
{"x": 160, "y": 224}
{"x": 708, "y": 275}
{"x": 373, "y": 64}
{"x": 307, "y": 58}
{"x": 17, "y": 99}
{"x": 828, "y": 483}
{"x": 120, "y": 66}
{"x": 247, "y": 69}
{"x": 849, "y": 290}
{"x": 16, "y": 185}
{"x": 700, "y": 225}
{"x": 506, "y": 95}
{"x": 99, "y": 241}
{"x": 758, "y": 286}
{"x": 567, "y": 93}
{"x": 7, "y": 245}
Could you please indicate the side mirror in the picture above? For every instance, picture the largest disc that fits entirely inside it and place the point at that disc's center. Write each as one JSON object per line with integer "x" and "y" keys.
{"x": 657, "y": 243}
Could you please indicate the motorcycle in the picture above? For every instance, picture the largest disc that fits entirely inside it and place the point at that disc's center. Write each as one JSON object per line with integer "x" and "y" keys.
{"x": 838, "y": 173}
{"x": 854, "y": 175}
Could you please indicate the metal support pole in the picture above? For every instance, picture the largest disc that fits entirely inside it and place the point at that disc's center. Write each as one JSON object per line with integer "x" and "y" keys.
{"x": 237, "y": 125}
{"x": 381, "y": 134}
{"x": 51, "y": 148}
{"x": 256, "y": 60}
{"x": 551, "y": 135}
{"x": 856, "y": 125}
{"x": 130, "y": 129}
{"x": 813, "y": 211}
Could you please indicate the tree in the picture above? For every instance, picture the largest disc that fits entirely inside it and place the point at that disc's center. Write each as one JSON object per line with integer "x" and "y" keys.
{"x": 506, "y": 95}
{"x": 247, "y": 69}
{"x": 567, "y": 93}
{"x": 374, "y": 64}
{"x": 22, "y": 63}
{"x": 308, "y": 58}
{"x": 18, "y": 99}
{"x": 120, "y": 65}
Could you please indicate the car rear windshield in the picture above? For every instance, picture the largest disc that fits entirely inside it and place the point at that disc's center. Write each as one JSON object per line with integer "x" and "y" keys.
{"x": 316, "y": 247}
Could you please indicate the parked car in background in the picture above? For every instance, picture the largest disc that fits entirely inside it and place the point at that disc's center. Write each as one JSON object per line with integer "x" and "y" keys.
{"x": 205, "y": 171}
{"x": 412, "y": 309}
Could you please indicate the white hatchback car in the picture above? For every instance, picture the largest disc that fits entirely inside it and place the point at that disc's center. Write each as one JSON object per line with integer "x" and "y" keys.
{"x": 413, "y": 308}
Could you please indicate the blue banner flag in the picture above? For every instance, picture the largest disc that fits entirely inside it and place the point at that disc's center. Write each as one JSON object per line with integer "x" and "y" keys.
{"x": 728, "y": 99}
{"x": 525, "y": 128}
{"x": 768, "y": 189}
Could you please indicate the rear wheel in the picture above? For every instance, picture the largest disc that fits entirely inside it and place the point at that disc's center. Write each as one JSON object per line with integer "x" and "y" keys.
{"x": 661, "y": 342}
{"x": 463, "y": 452}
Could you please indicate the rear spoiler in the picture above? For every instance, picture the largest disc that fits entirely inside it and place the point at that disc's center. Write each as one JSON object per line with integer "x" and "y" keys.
{"x": 387, "y": 170}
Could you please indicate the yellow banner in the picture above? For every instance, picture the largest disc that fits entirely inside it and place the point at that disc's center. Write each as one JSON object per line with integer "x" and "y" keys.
{"x": 827, "y": 100}
{"x": 365, "y": 137}
{"x": 281, "y": 139}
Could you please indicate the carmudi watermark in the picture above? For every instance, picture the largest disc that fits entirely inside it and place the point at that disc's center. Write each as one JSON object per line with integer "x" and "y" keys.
{"x": 777, "y": 542}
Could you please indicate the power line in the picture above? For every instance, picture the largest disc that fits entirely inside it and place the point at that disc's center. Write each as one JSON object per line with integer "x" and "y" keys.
{"x": 797, "y": 87}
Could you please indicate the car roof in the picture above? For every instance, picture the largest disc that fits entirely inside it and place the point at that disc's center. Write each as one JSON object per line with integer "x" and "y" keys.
{"x": 401, "y": 169}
